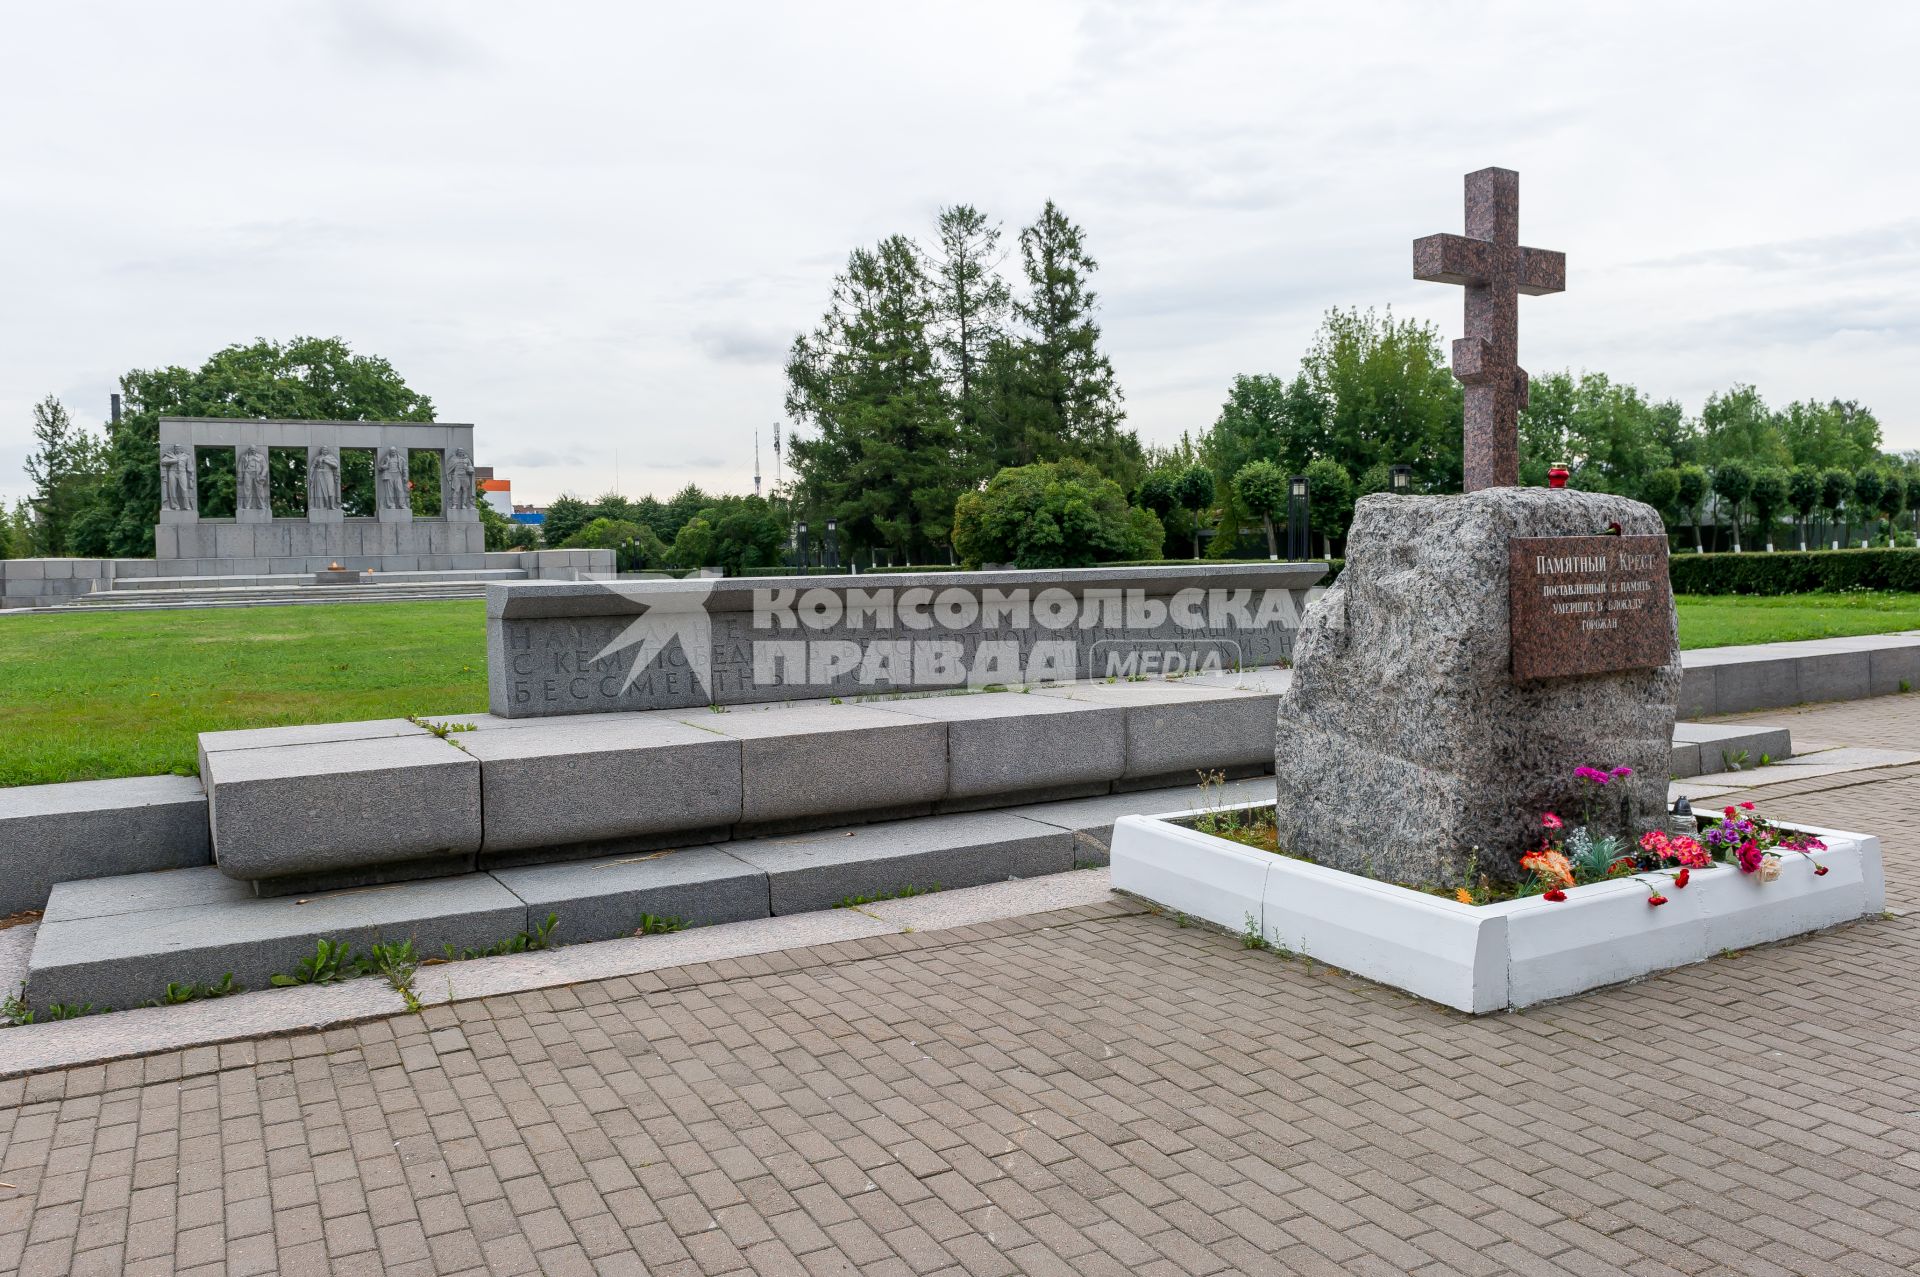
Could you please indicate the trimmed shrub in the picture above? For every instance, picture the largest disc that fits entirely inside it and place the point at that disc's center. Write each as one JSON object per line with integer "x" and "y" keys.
{"x": 1794, "y": 572}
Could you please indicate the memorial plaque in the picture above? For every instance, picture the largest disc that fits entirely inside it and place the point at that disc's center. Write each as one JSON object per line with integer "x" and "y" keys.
{"x": 1588, "y": 605}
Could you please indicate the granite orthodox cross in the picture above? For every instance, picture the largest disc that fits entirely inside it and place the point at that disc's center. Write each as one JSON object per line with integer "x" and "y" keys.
{"x": 1495, "y": 269}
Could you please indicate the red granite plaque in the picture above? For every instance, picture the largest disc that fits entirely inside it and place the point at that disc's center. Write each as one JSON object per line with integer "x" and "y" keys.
{"x": 1588, "y": 605}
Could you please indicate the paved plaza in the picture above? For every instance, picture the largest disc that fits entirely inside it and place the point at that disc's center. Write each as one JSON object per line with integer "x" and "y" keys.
{"x": 1092, "y": 1090}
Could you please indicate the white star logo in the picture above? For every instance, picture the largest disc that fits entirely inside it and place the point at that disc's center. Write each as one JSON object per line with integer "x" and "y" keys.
{"x": 674, "y": 610}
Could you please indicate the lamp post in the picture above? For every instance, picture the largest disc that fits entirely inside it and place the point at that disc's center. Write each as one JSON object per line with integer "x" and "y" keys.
{"x": 1400, "y": 480}
{"x": 1298, "y": 514}
{"x": 800, "y": 544}
{"x": 832, "y": 558}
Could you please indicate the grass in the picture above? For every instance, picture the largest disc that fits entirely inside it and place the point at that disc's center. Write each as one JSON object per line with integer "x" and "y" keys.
{"x": 1727, "y": 620}
{"x": 90, "y": 695}
{"x": 85, "y": 696}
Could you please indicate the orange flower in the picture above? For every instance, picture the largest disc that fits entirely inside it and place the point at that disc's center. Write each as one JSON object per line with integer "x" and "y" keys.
{"x": 1550, "y": 865}
{"x": 1464, "y": 896}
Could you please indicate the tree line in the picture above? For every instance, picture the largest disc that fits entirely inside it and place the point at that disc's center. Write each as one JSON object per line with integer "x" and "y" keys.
{"x": 958, "y": 405}
{"x": 935, "y": 367}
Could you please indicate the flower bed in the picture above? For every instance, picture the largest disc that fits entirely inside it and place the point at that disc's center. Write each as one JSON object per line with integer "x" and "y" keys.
{"x": 1512, "y": 952}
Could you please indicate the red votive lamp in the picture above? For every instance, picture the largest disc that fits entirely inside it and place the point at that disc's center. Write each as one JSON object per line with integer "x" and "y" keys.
{"x": 1557, "y": 477}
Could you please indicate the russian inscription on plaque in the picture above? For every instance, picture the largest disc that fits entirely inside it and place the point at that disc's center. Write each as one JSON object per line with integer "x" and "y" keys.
{"x": 1588, "y": 605}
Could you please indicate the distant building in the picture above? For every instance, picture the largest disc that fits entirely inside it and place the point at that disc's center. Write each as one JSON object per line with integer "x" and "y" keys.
{"x": 528, "y": 514}
{"x": 497, "y": 493}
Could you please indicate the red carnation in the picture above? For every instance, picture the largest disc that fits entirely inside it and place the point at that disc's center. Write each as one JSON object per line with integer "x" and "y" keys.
{"x": 1555, "y": 894}
{"x": 1729, "y": 813}
{"x": 1682, "y": 878}
{"x": 1746, "y": 806}
{"x": 1656, "y": 899}
{"x": 1819, "y": 869}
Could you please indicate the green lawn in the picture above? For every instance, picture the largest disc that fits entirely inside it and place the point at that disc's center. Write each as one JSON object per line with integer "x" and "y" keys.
{"x": 1727, "y": 620}
{"x": 126, "y": 693}
{"x": 87, "y": 695}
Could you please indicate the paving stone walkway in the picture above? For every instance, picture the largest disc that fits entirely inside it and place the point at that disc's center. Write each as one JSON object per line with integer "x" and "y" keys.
{"x": 1091, "y": 1091}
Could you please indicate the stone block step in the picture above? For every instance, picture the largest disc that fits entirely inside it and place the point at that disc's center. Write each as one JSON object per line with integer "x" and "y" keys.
{"x": 118, "y": 942}
{"x": 607, "y": 898}
{"x": 157, "y": 584}
{"x": 819, "y": 870}
{"x": 1704, "y": 749}
{"x": 533, "y": 790}
{"x": 392, "y": 802}
{"x": 97, "y": 829}
{"x": 1735, "y": 680}
{"x": 160, "y": 600}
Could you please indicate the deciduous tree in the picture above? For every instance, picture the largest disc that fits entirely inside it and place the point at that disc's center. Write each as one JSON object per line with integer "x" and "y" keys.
{"x": 1836, "y": 490}
{"x": 1330, "y": 500}
{"x": 1768, "y": 497}
{"x": 1693, "y": 496}
{"x": 1194, "y": 490}
{"x": 1053, "y": 514}
{"x": 1261, "y": 489}
{"x": 1732, "y": 485}
{"x": 1803, "y": 495}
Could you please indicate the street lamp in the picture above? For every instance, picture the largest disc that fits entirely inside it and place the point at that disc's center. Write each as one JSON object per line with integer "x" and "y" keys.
{"x": 833, "y": 543}
{"x": 800, "y": 544}
{"x": 1298, "y": 514}
{"x": 1400, "y": 480}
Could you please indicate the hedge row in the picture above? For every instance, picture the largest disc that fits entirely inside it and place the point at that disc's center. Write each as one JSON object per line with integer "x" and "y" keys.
{"x": 1795, "y": 572}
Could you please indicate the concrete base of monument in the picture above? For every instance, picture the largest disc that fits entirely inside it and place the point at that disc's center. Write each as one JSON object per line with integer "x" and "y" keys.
{"x": 1482, "y": 958}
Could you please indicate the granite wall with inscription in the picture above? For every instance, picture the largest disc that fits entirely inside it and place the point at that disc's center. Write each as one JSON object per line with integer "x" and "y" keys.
{"x": 596, "y": 647}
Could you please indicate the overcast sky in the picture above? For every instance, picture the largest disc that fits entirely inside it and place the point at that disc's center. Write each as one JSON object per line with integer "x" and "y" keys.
{"x": 591, "y": 228}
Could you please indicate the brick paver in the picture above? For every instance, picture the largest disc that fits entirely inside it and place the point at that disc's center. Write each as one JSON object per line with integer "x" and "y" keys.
{"x": 1096, "y": 1092}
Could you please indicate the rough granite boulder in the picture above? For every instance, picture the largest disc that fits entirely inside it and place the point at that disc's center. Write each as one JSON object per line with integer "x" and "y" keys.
{"x": 1406, "y": 749}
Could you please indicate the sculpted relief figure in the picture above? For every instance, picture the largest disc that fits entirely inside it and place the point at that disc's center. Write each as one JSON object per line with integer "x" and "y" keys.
{"x": 459, "y": 481}
{"x": 250, "y": 487}
{"x": 393, "y": 479}
{"x": 323, "y": 480}
{"x": 176, "y": 480}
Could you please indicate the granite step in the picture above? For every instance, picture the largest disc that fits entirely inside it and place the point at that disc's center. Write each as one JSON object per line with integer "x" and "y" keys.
{"x": 119, "y": 941}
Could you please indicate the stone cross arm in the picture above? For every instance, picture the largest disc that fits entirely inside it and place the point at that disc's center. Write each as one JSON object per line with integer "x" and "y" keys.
{"x": 1458, "y": 259}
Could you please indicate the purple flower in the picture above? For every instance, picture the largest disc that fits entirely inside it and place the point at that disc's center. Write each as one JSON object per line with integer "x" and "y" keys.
{"x": 1593, "y": 774}
{"x": 1621, "y": 773}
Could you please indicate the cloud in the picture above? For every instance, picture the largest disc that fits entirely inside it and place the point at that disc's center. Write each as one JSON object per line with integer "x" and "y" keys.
{"x": 1868, "y": 248}
{"x": 369, "y": 33}
{"x": 742, "y": 345}
{"x": 597, "y": 226}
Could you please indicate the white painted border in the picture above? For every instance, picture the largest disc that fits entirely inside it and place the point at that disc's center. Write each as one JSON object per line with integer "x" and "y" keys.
{"x": 1482, "y": 958}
